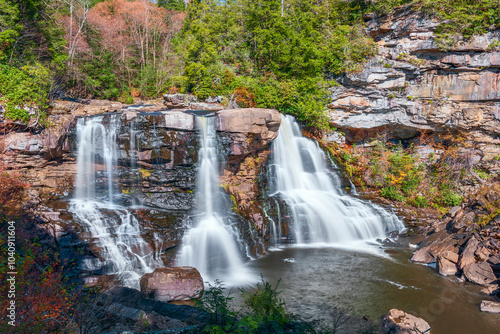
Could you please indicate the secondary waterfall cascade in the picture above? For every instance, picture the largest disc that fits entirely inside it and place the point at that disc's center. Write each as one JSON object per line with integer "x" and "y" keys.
{"x": 116, "y": 230}
{"x": 210, "y": 245}
{"x": 320, "y": 212}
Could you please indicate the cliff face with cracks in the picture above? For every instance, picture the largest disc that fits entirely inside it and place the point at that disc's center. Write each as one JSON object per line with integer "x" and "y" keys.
{"x": 412, "y": 86}
{"x": 157, "y": 154}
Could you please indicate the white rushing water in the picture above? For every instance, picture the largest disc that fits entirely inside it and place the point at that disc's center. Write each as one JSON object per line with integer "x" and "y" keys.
{"x": 116, "y": 230}
{"x": 211, "y": 244}
{"x": 321, "y": 213}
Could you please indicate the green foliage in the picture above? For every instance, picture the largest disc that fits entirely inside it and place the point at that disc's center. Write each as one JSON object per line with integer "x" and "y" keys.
{"x": 401, "y": 175}
{"x": 25, "y": 87}
{"x": 392, "y": 193}
{"x": 279, "y": 55}
{"x": 266, "y": 312}
{"x": 448, "y": 197}
{"x": 178, "y": 5}
{"x": 216, "y": 304}
{"x": 9, "y": 26}
{"x": 265, "y": 304}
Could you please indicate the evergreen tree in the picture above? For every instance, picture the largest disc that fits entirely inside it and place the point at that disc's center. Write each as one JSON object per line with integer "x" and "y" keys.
{"x": 178, "y": 5}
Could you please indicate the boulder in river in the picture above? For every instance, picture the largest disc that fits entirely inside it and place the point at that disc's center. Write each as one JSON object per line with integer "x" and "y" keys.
{"x": 467, "y": 257}
{"x": 400, "y": 322}
{"x": 172, "y": 284}
{"x": 489, "y": 306}
{"x": 446, "y": 267}
{"x": 479, "y": 273}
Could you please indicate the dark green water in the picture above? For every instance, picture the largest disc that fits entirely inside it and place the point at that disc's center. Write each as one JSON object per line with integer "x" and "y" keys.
{"x": 314, "y": 279}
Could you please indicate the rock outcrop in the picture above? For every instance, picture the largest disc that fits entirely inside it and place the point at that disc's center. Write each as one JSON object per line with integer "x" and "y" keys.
{"x": 414, "y": 86}
{"x": 44, "y": 159}
{"x": 172, "y": 284}
{"x": 248, "y": 133}
{"x": 400, "y": 322}
{"x": 470, "y": 244}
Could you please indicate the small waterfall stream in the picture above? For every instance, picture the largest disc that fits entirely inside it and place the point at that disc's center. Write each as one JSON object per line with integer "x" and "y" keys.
{"x": 116, "y": 230}
{"x": 320, "y": 212}
{"x": 211, "y": 244}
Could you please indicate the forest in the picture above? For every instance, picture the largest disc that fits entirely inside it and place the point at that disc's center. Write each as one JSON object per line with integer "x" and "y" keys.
{"x": 276, "y": 54}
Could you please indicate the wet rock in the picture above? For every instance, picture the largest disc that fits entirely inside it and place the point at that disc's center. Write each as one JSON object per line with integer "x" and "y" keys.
{"x": 136, "y": 300}
{"x": 178, "y": 121}
{"x": 248, "y": 133}
{"x": 479, "y": 273}
{"x": 43, "y": 158}
{"x": 446, "y": 267}
{"x": 490, "y": 307}
{"x": 400, "y": 322}
{"x": 490, "y": 289}
{"x": 158, "y": 321}
{"x": 125, "y": 312}
{"x": 423, "y": 255}
{"x": 434, "y": 245}
{"x": 178, "y": 101}
{"x": 467, "y": 257}
{"x": 172, "y": 284}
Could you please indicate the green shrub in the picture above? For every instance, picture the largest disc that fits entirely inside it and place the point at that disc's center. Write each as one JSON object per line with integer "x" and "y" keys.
{"x": 392, "y": 193}
{"x": 449, "y": 197}
{"x": 420, "y": 201}
{"x": 25, "y": 87}
{"x": 266, "y": 312}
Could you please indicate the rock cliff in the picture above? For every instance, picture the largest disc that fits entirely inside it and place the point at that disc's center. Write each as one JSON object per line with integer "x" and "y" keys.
{"x": 157, "y": 155}
{"x": 413, "y": 86}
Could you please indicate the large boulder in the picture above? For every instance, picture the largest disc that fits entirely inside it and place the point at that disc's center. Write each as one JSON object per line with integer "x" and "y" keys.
{"x": 467, "y": 257}
{"x": 263, "y": 122}
{"x": 172, "y": 284}
{"x": 400, "y": 322}
{"x": 434, "y": 245}
{"x": 446, "y": 267}
{"x": 447, "y": 263}
{"x": 479, "y": 273}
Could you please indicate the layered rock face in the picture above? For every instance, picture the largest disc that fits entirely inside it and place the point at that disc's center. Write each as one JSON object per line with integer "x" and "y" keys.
{"x": 44, "y": 159}
{"x": 413, "y": 86}
{"x": 248, "y": 133}
{"x": 156, "y": 164}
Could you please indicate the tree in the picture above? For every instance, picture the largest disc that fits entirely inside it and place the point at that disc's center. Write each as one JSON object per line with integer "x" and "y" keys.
{"x": 178, "y": 5}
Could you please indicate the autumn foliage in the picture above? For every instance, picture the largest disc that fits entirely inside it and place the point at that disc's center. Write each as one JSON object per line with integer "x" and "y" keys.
{"x": 123, "y": 44}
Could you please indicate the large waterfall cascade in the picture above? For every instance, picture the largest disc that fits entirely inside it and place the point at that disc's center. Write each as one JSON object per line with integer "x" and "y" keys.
{"x": 212, "y": 244}
{"x": 320, "y": 212}
{"x": 115, "y": 229}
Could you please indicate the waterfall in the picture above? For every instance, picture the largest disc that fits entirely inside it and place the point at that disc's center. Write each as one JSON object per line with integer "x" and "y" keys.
{"x": 211, "y": 244}
{"x": 320, "y": 212}
{"x": 116, "y": 230}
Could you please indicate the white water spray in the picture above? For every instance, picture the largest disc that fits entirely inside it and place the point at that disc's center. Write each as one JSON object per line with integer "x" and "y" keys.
{"x": 116, "y": 230}
{"x": 320, "y": 212}
{"x": 211, "y": 244}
